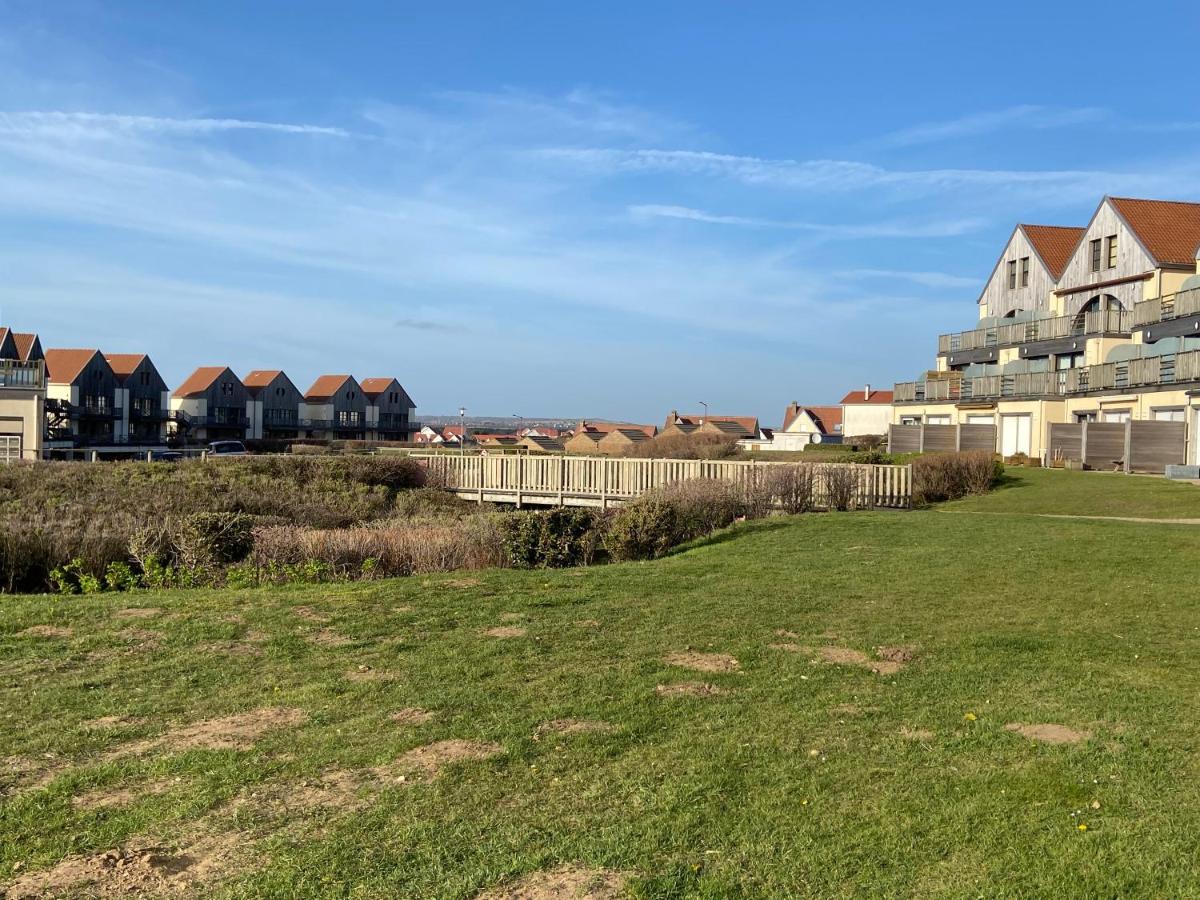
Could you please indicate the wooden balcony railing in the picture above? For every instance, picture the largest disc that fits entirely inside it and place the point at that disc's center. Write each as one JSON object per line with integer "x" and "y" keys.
{"x": 1163, "y": 309}
{"x": 1150, "y": 371}
{"x": 1105, "y": 321}
{"x": 17, "y": 374}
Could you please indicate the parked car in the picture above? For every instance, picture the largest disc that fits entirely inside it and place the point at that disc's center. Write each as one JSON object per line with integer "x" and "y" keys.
{"x": 227, "y": 448}
{"x": 165, "y": 456}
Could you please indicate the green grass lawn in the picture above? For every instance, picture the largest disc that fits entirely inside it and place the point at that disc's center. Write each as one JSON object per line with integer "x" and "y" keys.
{"x": 802, "y": 778}
{"x": 1057, "y": 491}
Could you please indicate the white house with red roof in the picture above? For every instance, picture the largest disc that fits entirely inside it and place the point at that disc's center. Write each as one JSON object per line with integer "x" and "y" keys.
{"x": 866, "y": 412}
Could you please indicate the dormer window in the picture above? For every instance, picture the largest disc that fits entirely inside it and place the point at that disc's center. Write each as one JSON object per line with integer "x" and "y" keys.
{"x": 1012, "y": 274}
{"x": 1024, "y": 271}
{"x": 1095, "y": 248}
{"x": 1111, "y": 246}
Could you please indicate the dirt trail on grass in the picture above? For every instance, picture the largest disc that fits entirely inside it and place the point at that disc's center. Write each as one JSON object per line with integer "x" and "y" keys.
{"x": 46, "y": 631}
{"x": 1048, "y": 733}
{"x": 506, "y": 631}
{"x": 564, "y": 883}
{"x": 703, "y": 662}
{"x": 235, "y": 732}
{"x": 123, "y": 794}
{"x": 136, "y": 871}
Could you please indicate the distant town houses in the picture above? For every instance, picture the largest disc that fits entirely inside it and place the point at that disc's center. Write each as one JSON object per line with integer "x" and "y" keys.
{"x": 65, "y": 399}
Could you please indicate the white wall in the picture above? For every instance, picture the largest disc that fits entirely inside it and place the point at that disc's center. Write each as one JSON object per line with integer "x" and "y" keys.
{"x": 865, "y": 418}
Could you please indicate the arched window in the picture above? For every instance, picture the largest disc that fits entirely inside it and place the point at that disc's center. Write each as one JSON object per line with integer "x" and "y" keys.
{"x": 1012, "y": 313}
{"x": 1099, "y": 303}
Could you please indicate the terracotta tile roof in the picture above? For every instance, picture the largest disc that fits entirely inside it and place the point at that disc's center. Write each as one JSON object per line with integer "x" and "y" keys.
{"x": 200, "y": 381}
{"x": 24, "y": 342}
{"x": 1169, "y": 230}
{"x": 260, "y": 378}
{"x": 64, "y": 366}
{"x": 124, "y": 364}
{"x": 829, "y": 418}
{"x": 1055, "y": 244}
{"x": 606, "y": 427}
{"x": 326, "y": 386}
{"x": 373, "y": 387}
{"x": 748, "y": 424}
{"x": 3, "y": 334}
{"x": 882, "y": 397}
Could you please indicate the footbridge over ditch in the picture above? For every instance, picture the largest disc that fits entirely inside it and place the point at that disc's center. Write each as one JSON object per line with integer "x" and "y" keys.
{"x": 598, "y": 481}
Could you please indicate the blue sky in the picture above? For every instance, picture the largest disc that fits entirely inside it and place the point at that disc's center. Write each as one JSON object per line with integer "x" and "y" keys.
{"x": 553, "y": 208}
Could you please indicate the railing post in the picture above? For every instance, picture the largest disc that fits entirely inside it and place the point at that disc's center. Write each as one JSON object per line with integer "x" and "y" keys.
{"x": 604, "y": 482}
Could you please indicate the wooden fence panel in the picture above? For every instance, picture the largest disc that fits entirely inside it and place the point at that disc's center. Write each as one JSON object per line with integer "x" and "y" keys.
{"x": 1066, "y": 441}
{"x": 1155, "y": 445}
{"x": 1105, "y": 444}
{"x": 940, "y": 438}
{"x": 977, "y": 437}
{"x": 904, "y": 439}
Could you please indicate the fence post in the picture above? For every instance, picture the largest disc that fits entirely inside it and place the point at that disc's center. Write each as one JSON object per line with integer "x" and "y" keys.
{"x": 604, "y": 482}
{"x": 921, "y": 440}
{"x": 1128, "y": 445}
{"x": 520, "y": 476}
{"x": 957, "y": 438}
{"x": 1083, "y": 445}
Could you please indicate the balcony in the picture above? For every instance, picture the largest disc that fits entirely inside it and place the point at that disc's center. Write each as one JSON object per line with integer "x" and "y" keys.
{"x": 90, "y": 409}
{"x": 17, "y": 374}
{"x": 1175, "y": 315}
{"x": 1096, "y": 322}
{"x": 1153, "y": 371}
{"x": 222, "y": 418}
{"x": 151, "y": 414}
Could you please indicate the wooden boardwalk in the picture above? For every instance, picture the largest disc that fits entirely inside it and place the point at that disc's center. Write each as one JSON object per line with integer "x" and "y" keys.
{"x": 544, "y": 480}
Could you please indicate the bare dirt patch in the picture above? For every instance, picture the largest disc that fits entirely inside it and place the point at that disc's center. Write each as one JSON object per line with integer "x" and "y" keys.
{"x": 506, "y": 631}
{"x": 784, "y": 633}
{"x": 138, "y": 612}
{"x": 254, "y": 636}
{"x": 232, "y": 648}
{"x": 1049, "y": 733}
{"x": 367, "y": 674}
{"x": 790, "y": 648}
{"x": 565, "y": 727}
{"x": 327, "y": 637}
{"x": 141, "y": 636}
{"x": 412, "y": 715}
{"x": 703, "y": 662}
{"x": 427, "y": 761}
{"x": 46, "y": 631}
{"x": 236, "y": 732}
{"x": 916, "y": 734}
{"x": 564, "y": 883}
{"x": 845, "y": 656}
{"x": 29, "y": 773}
{"x": 122, "y": 795}
{"x": 689, "y": 689}
{"x": 901, "y": 654}
{"x": 309, "y": 614}
{"x": 138, "y": 871}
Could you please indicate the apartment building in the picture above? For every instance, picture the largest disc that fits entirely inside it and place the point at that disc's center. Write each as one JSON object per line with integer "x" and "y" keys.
{"x": 334, "y": 408}
{"x": 1097, "y": 323}
{"x": 22, "y": 398}
{"x": 210, "y": 405}
{"x": 272, "y": 405}
{"x": 390, "y": 412}
{"x": 81, "y": 398}
{"x": 142, "y": 400}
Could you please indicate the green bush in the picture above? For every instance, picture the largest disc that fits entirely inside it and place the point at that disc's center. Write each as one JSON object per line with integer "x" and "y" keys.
{"x": 206, "y": 539}
{"x": 645, "y": 528}
{"x": 553, "y": 539}
{"x": 938, "y": 477}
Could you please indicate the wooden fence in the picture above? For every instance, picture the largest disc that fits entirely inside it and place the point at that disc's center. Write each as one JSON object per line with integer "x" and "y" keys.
{"x": 606, "y": 481}
{"x": 1134, "y": 446}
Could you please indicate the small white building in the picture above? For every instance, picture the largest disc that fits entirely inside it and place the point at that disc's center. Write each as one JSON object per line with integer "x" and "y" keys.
{"x": 866, "y": 412}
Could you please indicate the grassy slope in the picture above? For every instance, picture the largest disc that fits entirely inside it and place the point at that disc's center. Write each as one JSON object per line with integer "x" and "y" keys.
{"x": 1018, "y": 619}
{"x": 1088, "y": 494}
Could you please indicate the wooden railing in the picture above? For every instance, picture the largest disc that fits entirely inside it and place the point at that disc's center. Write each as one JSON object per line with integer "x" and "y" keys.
{"x": 607, "y": 481}
{"x": 1104, "y": 321}
{"x": 17, "y": 374}
{"x": 1170, "y": 306}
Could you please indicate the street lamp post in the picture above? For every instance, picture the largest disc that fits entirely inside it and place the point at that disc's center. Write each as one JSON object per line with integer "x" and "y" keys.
{"x": 705, "y": 418}
{"x": 462, "y": 432}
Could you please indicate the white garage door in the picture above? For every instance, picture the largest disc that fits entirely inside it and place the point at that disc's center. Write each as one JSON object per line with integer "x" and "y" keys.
{"x": 1014, "y": 435}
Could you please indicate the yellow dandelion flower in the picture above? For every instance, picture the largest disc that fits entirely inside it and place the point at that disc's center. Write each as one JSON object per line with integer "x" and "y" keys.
{"x": 1082, "y": 826}
{"x": 970, "y": 717}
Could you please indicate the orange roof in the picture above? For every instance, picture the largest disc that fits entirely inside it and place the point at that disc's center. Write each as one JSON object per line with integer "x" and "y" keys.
{"x": 829, "y": 418}
{"x": 1168, "y": 229}
{"x": 883, "y": 397}
{"x": 326, "y": 386}
{"x": 606, "y": 427}
{"x": 124, "y": 364}
{"x": 24, "y": 343}
{"x": 746, "y": 423}
{"x": 64, "y": 366}
{"x": 1055, "y": 244}
{"x": 373, "y": 387}
{"x": 200, "y": 381}
{"x": 261, "y": 378}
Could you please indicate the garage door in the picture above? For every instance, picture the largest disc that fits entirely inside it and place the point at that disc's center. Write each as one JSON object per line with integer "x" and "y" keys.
{"x": 1014, "y": 435}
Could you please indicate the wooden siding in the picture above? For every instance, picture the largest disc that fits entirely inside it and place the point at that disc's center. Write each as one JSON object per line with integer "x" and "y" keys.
{"x": 997, "y": 300}
{"x": 1132, "y": 260}
{"x": 604, "y": 482}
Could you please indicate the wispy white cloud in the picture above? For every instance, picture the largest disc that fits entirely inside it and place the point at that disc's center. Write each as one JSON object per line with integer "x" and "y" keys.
{"x": 1028, "y": 117}
{"x": 73, "y": 125}
{"x": 925, "y": 279}
{"x": 915, "y": 229}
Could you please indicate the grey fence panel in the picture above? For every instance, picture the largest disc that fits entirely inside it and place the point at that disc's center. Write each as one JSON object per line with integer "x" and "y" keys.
{"x": 940, "y": 438}
{"x": 1155, "y": 445}
{"x": 1066, "y": 441}
{"x": 1105, "y": 444}
{"x": 904, "y": 438}
{"x": 977, "y": 437}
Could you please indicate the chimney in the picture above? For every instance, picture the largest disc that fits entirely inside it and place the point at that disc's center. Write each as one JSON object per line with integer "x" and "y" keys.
{"x": 867, "y": 392}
